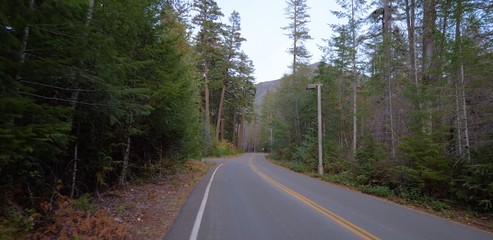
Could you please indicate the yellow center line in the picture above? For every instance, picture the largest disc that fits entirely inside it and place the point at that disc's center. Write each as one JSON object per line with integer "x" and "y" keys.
{"x": 336, "y": 218}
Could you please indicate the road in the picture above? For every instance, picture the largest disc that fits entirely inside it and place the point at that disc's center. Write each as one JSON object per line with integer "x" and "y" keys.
{"x": 250, "y": 198}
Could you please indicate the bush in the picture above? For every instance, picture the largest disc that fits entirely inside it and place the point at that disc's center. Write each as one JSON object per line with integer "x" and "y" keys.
{"x": 18, "y": 222}
{"x": 439, "y": 205}
{"x": 428, "y": 168}
{"x": 223, "y": 148}
{"x": 85, "y": 203}
{"x": 412, "y": 194}
{"x": 298, "y": 167}
{"x": 381, "y": 191}
{"x": 344, "y": 178}
{"x": 474, "y": 184}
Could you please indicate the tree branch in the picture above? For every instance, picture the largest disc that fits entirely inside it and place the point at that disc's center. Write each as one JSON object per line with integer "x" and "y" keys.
{"x": 60, "y": 88}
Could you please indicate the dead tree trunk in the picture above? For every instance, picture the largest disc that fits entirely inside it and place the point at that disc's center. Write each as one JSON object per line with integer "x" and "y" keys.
{"x": 74, "y": 170}
{"x": 126, "y": 157}
{"x": 355, "y": 80}
{"x": 460, "y": 75}
{"x": 25, "y": 38}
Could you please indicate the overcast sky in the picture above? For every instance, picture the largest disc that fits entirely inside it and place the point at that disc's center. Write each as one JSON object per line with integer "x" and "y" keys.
{"x": 266, "y": 43}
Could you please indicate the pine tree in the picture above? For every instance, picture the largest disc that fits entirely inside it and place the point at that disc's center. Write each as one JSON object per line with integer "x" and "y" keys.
{"x": 208, "y": 47}
{"x": 296, "y": 13}
{"x": 350, "y": 45}
{"x": 232, "y": 44}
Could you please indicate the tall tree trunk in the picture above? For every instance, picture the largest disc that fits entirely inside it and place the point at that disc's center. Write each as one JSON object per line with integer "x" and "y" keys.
{"x": 220, "y": 111}
{"x": 460, "y": 75}
{"x": 90, "y": 12}
{"x": 297, "y": 121}
{"x": 429, "y": 58}
{"x": 206, "y": 96}
{"x": 464, "y": 115}
{"x": 25, "y": 38}
{"x": 458, "y": 114}
{"x": 241, "y": 132}
{"x": 126, "y": 157}
{"x": 355, "y": 79}
{"x": 74, "y": 97}
{"x": 295, "y": 40}
{"x": 411, "y": 32}
{"x": 74, "y": 170}
{"x": 222, "y": 129}
{"x": 254, "y": 137}
{"x": 387, "y": 44}
{"x": 234, "y": 129}
{"x": 244, "y": 135}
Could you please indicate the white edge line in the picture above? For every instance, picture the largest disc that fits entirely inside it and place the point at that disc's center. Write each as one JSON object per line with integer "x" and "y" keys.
{"x": 198, "y": 219}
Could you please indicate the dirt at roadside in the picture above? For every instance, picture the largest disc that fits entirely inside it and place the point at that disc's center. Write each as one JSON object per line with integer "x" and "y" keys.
{"x": 148, "y": 211}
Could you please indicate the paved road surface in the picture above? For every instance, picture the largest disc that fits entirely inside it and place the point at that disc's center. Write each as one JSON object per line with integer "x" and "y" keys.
{"x": 251, "y": 198}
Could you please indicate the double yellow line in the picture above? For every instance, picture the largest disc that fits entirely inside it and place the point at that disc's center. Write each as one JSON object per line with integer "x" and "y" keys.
{"x": 336, "y": 218}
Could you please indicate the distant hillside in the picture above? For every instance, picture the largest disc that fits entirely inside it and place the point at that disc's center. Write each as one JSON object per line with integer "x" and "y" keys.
{"x": 263, "y": 87}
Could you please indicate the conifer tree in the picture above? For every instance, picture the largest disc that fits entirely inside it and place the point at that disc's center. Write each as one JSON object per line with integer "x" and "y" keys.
{"x": 208, "y": 47}
{"x": 232, "y": 45}
{"x": 297, "y": 31}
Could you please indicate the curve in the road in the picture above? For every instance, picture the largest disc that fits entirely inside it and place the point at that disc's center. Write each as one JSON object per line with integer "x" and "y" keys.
{"x": 334, "y": 217}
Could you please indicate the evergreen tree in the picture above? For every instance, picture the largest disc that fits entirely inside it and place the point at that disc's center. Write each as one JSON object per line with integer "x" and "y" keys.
{"x": 232, "y": 45}
{"x": 208, "y": 50}
{"x": 296, "y": 13}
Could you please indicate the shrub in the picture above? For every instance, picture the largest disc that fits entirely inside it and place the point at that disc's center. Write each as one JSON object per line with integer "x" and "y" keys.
{"x": 428, "y": 168}
{"x": 439, "y": 205}
{"x": 297, "y": 167}
{"x": 381, "y": 191}
{"x": 85, "y": 203}
{"x": 223, "y": 148}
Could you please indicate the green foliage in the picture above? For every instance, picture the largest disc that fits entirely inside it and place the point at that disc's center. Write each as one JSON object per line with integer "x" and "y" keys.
{"x": 381, "y": 191}
{"x": 298, "y": 167}
{"x": 344, "y": 178}
{"x": 18, "y": 222}
{"x": 428, "y": 169}
{"x": 475, "y": 183}
{"x": 368, "y": 156}
{"x": 439, "y": 205}
{"x": 297, "y": 14}
{"x": 89, "y": 83}
{"x": 85, "y": 203}
{"x": 223, "y": 149}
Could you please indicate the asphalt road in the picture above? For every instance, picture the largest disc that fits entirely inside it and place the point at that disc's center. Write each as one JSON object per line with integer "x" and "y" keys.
{"x": 251, "y": 198}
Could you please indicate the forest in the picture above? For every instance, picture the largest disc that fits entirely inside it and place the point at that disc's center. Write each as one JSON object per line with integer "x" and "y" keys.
{"x": 95, "y": 94}
{"x": 407, "y": 103}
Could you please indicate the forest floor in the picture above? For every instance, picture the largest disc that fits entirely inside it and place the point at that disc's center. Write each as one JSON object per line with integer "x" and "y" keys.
{"x": 149, "y": 210}
{"x": 137, "y": 211}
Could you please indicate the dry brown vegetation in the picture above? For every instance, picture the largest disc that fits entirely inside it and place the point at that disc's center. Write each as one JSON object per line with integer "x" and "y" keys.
{"x": 143, "y": 211}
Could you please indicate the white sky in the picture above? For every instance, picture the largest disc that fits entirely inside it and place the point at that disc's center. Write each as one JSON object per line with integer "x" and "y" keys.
{"x": 266, "y": 43}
